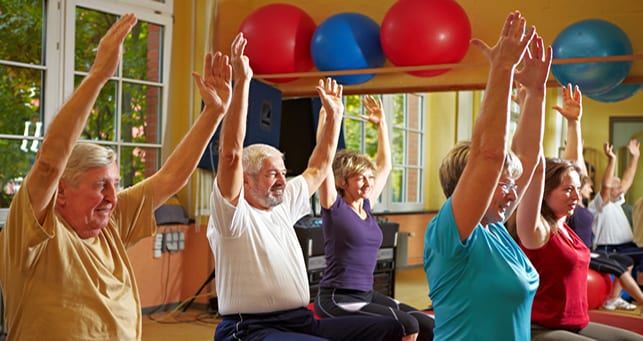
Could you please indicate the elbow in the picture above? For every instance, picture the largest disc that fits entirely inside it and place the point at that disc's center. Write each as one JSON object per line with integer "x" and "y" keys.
{"x": 490, "y": 155}
{"x": 230, "y": 159}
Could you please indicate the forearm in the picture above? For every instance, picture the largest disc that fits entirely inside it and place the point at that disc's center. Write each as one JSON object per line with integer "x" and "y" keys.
{"x": 528, "y": 219}
{"x": 492, "y": 126}
{"x": 68, "y": 124}
{"x": 574, "y": 147}
{"x": 233, "y": 129}
{"x": 322, "y": 155}
{"x": 527, "y": 139}
{"x": 630, "y": 172}
{"x": 321, "y": 158}
{"x": 383, "y": 156}
{"x": 178, "y": 167}
{"x": 608, "y": 177}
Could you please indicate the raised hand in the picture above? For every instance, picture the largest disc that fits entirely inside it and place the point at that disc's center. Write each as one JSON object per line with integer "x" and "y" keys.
{"x": 215, "y": 86}
{"x": 608, "y": 149}
{"x": 373, "y": 106}
{"x": 330, "y": 94}
{"x": 535, "y": 65}
{"x": 110, "y": 47}
{"x": 240, "y": 63}
{"x": 521, "y": 93}
{"x": 634, "y": 147}
{"x": 511, "y": 44}
{"x": 572, "y": 108}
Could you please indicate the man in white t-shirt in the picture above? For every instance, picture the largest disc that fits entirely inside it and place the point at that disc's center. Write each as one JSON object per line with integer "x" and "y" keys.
{"x": 261, "y": 284}
{"x": 612, "y": 229}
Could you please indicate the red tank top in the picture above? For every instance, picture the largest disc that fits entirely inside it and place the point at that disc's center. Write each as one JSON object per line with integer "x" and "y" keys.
{"x": 561, "y": 299}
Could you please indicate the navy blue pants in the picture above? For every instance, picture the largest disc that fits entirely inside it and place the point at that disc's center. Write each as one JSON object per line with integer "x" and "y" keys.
{"x": 300, "y": 324}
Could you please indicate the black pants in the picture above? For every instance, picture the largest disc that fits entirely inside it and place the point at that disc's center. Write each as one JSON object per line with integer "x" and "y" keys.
{"x": 331, "y": 302}
{"x": 300, "y": 324}
{"x": 628, "y": 249}
{"x": 611, "y": 263}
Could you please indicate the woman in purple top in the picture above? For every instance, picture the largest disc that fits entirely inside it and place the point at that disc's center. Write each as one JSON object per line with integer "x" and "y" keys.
{"x": 352, "y": 236}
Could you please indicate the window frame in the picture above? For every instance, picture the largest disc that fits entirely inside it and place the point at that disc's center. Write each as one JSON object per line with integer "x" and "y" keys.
{"x": 385, "y": 203}
{"x": 59, "y": 72}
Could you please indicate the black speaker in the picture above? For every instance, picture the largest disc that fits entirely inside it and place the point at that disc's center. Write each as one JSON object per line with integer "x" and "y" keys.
{"x": 299, "y": 117}
{"x": 263, "y": 124}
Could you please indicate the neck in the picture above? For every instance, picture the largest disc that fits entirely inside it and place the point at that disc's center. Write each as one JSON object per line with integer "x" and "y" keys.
{"x": 357, "y": 205}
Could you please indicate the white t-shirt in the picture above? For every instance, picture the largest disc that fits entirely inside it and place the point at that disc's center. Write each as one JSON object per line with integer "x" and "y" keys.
{"x": 610, "y": 226}
{"x": 259, "y": 263}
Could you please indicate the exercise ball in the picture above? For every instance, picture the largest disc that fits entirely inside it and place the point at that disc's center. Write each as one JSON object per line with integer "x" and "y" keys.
{"x": 591, "y": 38}
{"x": 347, "y": 41}
{"x": 278, "y": 40}
{"x": 619, "y": 93}
{"x": 425, "y": 32}
{"x": 599, "y": 287}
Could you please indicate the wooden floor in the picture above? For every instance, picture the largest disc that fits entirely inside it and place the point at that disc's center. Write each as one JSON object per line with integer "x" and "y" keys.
{"x": 196, "y": 325}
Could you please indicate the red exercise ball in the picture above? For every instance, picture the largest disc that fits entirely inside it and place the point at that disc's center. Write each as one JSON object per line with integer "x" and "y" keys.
{"x": 279, "y": 38}
{"x": 425, "y": 32}
{"x": 599, "y": 287}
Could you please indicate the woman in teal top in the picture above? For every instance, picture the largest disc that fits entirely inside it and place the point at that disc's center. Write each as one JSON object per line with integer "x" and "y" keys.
{"x": 481, "y": 284}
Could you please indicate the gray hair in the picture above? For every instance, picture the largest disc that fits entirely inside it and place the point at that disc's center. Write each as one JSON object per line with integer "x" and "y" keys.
{"x": 453, "y": 165}
{"x": 84, "y": 156}
{"x": 254, "y": 154}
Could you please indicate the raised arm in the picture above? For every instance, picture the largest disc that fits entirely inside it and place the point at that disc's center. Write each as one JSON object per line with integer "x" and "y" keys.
{"x": 530, "y": 227}
{"x": 383, "y": 157}
{"x": 66, "y": 127}
{"x": 608, "y": 175}
{"x": 479, "y": 179}
{"x": 572, "y": 110}
{"x": 527, "y": 143}
{"x": 233, "y": 130}
{"x": 320, "y": 162}
{"x": 327, "y": 190}
{"x": 628, "y": 175}
{"x": 528, "y": 137}
{"x": 215, "y": 88}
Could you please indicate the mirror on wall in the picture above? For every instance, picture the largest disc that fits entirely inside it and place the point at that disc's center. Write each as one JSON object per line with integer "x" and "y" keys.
{"x": 622, "y": 130}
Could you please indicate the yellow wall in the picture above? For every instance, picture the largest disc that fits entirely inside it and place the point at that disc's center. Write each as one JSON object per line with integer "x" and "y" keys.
{"x": 550, "y": 18}
{"x": 189, "y": 40}
{"x": 595, "y": 125}
{"x": 178, "y": 119}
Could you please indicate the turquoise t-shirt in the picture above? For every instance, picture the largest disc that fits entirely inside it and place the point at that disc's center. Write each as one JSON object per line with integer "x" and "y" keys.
{"x": 481, "y": 289}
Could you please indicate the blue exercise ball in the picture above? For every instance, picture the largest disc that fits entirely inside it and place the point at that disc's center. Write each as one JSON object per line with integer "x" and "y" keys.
{"x": 619, "y": 93}
{"x": 592, "y": 38}
{"x": 347, "y": 41}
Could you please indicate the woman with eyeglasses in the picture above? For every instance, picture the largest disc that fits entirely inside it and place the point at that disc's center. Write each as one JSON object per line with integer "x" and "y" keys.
{"x": 471, "y": 262}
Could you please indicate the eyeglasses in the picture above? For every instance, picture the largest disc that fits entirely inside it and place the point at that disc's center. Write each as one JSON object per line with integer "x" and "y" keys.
{"x": 507, "y": 187}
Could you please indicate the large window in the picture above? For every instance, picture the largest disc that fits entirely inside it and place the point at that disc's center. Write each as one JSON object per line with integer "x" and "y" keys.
{"x": 47, "y": 48}
{"x": 404, "y": 114}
